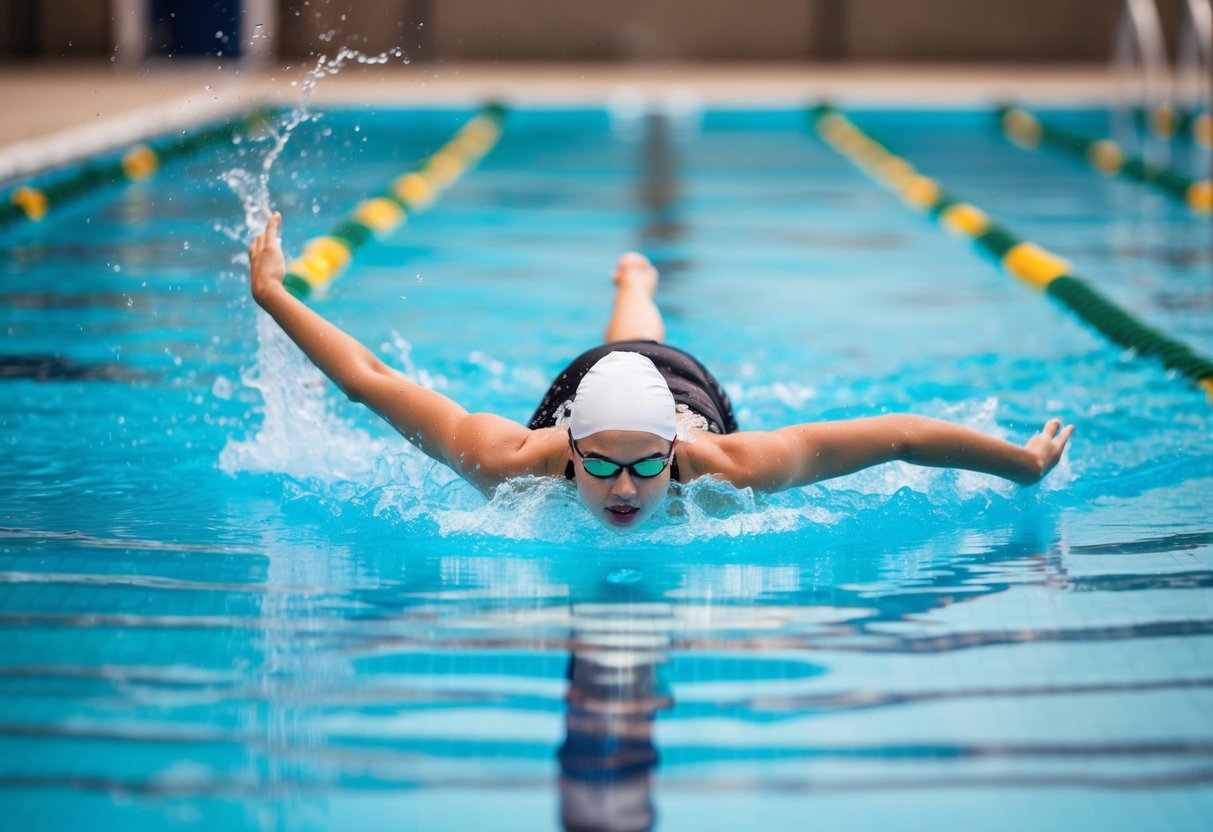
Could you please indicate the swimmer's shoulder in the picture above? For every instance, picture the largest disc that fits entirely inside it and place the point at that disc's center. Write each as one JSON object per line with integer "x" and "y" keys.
{"x": 493, "y": 449}
{"x": 546, "y": 452}
{"x": 701, "y": 455}
{"x": 737, "y": 458}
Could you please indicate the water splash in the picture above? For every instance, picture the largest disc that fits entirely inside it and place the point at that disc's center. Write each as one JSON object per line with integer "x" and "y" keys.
{"x": 890, "y": 501}
{"x": 252, "y": 187}
{"x": 299, "y": 435}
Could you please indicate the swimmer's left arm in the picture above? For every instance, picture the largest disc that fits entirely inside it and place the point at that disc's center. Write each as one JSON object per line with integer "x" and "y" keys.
{"x": 808, "y": 453}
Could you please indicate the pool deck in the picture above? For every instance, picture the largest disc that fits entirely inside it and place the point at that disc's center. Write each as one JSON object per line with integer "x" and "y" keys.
{"x": 59, "y": 113}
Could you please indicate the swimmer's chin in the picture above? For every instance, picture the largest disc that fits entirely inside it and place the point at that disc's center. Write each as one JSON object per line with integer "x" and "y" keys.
{"x": 526, "y": 494}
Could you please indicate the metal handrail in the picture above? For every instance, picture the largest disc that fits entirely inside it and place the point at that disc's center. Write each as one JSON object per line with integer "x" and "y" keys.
{"x": 1141, "y": 79}
{"x": 1194, "y": 71}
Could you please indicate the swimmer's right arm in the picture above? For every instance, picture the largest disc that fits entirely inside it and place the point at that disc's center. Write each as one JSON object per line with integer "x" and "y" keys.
{"x": 483, "y": 448}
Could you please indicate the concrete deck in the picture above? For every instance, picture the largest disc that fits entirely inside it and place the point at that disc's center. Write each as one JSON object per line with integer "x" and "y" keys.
{"x": 58, "y": 113}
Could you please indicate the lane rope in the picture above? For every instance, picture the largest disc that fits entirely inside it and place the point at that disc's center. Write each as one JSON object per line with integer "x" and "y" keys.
{"x": 1181, "y": 124}
{"x": 1028, "y": 262}
{"x": 324, "y": 258}
{"x": 1106, "y": 156}
{"x": 32, "y": 201}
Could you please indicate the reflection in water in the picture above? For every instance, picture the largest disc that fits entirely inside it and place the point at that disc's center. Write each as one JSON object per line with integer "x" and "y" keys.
{"x": 614, "y": 694}
{"x": 663, "y": 230}
{"x": 622, "y": 637}
{"x": 611, "y": 687}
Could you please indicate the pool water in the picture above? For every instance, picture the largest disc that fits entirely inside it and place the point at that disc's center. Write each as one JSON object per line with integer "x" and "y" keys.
{"x": 230, "y": 599}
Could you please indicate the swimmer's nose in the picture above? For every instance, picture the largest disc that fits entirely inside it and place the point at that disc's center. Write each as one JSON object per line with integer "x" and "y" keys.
{"x": 624, "y": 487}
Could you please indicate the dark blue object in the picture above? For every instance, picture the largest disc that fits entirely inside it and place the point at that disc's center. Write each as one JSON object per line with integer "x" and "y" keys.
{"x": 190, "y": 28}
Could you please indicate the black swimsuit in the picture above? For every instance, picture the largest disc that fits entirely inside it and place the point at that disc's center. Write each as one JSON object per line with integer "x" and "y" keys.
{"x": 690, "y": 383}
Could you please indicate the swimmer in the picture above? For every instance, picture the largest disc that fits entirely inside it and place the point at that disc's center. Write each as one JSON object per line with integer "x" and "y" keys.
{"x": 610, "y": 420}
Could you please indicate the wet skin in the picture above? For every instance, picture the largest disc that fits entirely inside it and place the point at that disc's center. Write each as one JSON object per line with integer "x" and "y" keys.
{"x": 623, "y": 501}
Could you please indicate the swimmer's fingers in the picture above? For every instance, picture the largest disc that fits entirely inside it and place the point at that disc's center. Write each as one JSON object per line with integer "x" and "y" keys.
{"x": 273, "y": 229}
{"x": 1056, "y": 435}
{"x": 267, "y": 266}
{"x": 1064, "y": 437}
{"x": 1048, "y": 445}
{"x": 270, "y": 236}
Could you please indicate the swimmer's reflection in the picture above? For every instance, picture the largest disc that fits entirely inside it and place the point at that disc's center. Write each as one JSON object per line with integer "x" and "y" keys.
{"x": 616, "y": 688}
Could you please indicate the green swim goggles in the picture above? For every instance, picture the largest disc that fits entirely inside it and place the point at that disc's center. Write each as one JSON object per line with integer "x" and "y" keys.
{"x": 604, "y": 469}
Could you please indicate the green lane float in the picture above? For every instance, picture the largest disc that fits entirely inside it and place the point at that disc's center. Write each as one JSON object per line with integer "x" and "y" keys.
{"x": 324, "y": 258}
{"x": 1030, "y": 132}
{"x": 1026, "y": 261}
{"x": 1183, "y": 124}
{"x": 31, "y": 202}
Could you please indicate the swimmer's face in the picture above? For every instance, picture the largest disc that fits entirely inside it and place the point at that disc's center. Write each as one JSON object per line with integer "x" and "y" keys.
{"x": 625, "y": 500}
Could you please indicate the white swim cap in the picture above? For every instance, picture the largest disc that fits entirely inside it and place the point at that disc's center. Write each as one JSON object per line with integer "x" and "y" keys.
{"x": 623, "y": 391}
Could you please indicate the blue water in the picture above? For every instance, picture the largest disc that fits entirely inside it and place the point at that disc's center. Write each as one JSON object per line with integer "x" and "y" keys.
{"x": 229, "y": 599}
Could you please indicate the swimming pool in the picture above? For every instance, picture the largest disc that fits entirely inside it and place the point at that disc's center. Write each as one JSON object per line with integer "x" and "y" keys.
{"x": 231, "y": 600}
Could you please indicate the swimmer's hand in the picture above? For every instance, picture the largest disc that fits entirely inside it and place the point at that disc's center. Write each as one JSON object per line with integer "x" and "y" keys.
{"x": 267, "y": 265}
{"x": 1045, "y": 449}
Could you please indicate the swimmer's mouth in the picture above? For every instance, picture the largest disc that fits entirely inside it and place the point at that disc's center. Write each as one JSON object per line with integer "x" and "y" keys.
{"x": 622, "y": 515}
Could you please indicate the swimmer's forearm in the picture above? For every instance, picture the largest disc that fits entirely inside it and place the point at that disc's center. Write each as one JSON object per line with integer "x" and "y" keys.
{"x": 935, "y": 443}
{"x": 426, "y": 418}
{"x": 833, "y": 449}
{"x": 337, "y": 354}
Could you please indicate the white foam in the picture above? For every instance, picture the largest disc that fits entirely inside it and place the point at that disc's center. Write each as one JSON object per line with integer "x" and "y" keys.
{"x": 299, "y": 434}
{"x": 396, "y": 484}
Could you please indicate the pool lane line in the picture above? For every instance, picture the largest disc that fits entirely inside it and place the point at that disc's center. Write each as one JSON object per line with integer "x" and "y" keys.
{"x": 1169, "y": 123}
{"x": 1106, "y": 156}
{"x": 32, "y": 201}
{"x": 1026, "y": 261}
{"x": 324, "y": 258}
{"x": 1200, "y": 127}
